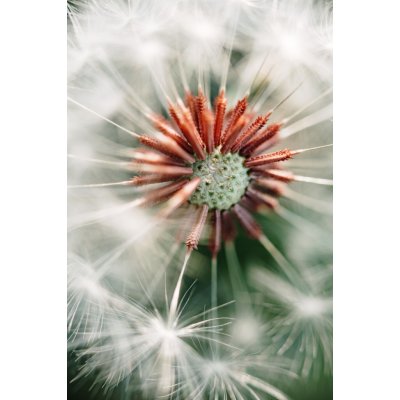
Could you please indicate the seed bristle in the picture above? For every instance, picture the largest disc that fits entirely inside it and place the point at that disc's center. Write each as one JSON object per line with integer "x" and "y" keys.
{"x": 193, "y": 239}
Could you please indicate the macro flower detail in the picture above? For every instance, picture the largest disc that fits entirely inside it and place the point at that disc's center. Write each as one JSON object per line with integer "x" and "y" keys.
{"x": 300, "y": 315}
{"x": 215, "y": 158}
{"x": 198, "y": 125}
{"x": 224, "y": 180}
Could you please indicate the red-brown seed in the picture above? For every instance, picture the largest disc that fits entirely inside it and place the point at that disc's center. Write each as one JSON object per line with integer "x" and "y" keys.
{"x": 264, "y": 146}
{"x": 249, "y": 132}
{"x": 269, "y": 201}
{"x": 193, "y": 239}
{"x": 191, "y": 103}
{"x": 193, "y": 135}
{"x": 228, "y": 227}
{"x": 146, "y": 156}
{"x": 230, "y": 134}
{"x": 263, "y": 159}
{"x": 180, "y": 196}
{"x": 210, "y": 145}
{"x": 279, "y": 175}
{"x": 272, "y": 186}
{"x": 174, "y": 115}
{"x": 247, "y": 221}
{"x": 203, "y": 116}
{"x": 262, "y": 137}
{"x": 149, "y": 179}
{"x": 220, "y": 108}
{"x": 187, "y": 127}
{"x": 168, "y": 147}
{"x": 243, "y": 121}
{"x": 162, "y": 125}
{"x": 250, "y": 203}
{"x": 172, "y": 170}
{"x": 160, "y": 194}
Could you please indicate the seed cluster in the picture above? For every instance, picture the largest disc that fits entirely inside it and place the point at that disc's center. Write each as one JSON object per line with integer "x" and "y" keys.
{"x": 213, "y": 158}
{"x": 224, "y": 180}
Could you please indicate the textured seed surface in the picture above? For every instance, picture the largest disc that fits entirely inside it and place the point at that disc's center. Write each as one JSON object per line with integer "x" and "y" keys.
{"x": 224, "y": 180}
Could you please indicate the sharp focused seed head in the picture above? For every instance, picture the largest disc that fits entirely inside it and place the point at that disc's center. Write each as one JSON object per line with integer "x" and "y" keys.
{"x": 214, "y": 153}
{"x": 224, "y": 180}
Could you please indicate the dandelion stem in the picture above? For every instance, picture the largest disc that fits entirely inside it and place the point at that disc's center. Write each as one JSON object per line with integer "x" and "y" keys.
{"x": 255, "y": 76}
{"x": 308, "y": 202}
{"x": 309, "y": 179}
{"x": 96, "y": 185}
{"x": 311, "y": 148}
{"x": 103, "y": 118}
{"x": 278, "y": 257}
{"x": 182, "y": 71}
{"x": 302, "y": 224}
{"x": 288, "y": 96}
{"x": 224, "y": 74}
{"x": 287, "y": 119}
{"x": 116, "y": 164}
{"x": 175, "y": 297}
{"x": 214, "y": 299}
{"x": 236, "y": 277}
{"x": 308, "y": 121}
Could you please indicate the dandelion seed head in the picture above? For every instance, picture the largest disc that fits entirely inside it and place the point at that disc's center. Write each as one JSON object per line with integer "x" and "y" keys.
{"x": 300, "y": 310}
{"x": 246, "y": 330}
{"x": 311, "y": 306}
{"x": 217, "y": 368}
{"x": 298, "y": 37}
{"x": 163, "y": 333}
{"x": 90, "y": 286}
{"x": 148, "y": 158}
{"x": 180, "y": 145}
{"x": 291, "y": 45}
{"x": 89, "y": 299}
{"x": 238, "y": 374}
{"x": 213, "y": 158}
{"x": 202, "y": 29}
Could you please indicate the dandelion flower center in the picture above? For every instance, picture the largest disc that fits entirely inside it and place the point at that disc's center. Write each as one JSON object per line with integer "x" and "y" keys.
{"x": 224, "y": 180}
{"x": 214, "y": 158}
